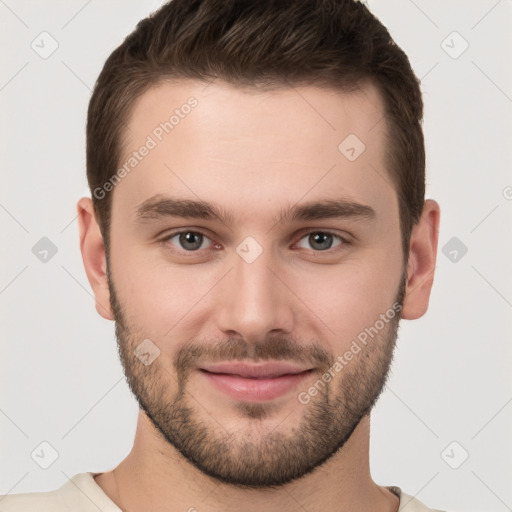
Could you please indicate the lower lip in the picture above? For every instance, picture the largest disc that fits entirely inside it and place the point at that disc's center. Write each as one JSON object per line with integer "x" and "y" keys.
{"x": 254, "y": 390}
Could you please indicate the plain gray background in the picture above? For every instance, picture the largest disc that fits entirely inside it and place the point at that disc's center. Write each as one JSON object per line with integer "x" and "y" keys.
{"x": 450, "y": 393}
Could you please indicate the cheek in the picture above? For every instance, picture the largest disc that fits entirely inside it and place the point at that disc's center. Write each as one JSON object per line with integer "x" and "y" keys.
{"x": 156, "y": 294}
{"x": 350, "y": 297}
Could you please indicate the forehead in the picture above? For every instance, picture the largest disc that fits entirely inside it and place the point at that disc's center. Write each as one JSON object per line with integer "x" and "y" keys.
{"x": 225, "y": 143}
{"x": 291, "y": 111}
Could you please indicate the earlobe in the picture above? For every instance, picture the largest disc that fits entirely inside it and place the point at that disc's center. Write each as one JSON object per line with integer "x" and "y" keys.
{"x": 422, "y": 262}
{"x": 93, "y": 256}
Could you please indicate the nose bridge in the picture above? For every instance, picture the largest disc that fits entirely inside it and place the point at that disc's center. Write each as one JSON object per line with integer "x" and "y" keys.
{"x": 253, "y": 301}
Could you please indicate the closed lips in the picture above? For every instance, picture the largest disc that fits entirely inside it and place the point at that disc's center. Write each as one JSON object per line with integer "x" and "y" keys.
{"x": 264, "y": 371}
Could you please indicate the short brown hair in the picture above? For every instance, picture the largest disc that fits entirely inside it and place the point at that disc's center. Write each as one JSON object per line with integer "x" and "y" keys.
{"x": 337, "y": 44}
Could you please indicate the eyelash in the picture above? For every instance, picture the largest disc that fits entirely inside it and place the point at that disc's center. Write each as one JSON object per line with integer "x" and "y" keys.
{"x": 344, "y": 241}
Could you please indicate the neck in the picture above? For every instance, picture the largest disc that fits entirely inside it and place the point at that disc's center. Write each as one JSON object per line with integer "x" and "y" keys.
{"x": 154, "y": 476}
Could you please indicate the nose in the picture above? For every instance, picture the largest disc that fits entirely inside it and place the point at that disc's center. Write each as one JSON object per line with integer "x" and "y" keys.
{"x": 253, "y": 302}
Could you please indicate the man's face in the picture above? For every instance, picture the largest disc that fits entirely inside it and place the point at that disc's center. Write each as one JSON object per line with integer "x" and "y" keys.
{"x": 259, "y": 284}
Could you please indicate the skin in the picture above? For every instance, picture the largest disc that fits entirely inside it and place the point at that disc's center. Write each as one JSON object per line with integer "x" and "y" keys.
{"x": 254, "y": 154}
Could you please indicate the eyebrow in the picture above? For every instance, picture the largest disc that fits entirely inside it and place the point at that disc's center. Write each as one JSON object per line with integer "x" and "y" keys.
{"x": 159, "y": 207}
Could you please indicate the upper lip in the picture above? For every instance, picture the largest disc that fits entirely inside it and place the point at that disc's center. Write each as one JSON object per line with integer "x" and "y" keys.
{"x": 263, "y": 370}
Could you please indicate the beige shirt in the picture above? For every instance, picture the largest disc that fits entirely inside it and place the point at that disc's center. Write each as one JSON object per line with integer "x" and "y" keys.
{"x": 83, "y": 494}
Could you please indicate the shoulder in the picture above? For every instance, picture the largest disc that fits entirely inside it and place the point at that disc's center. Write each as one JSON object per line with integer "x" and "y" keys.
{"x": 32, "y": 502}
{"x": 410, "y": 503}
{"x": 79, "y": 494}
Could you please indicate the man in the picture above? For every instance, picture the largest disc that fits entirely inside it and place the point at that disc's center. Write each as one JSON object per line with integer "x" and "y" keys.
{"x": 257, "y": 229}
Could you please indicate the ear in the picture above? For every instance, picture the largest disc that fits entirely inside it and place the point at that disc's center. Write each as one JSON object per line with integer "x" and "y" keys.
{"x": 93, "y": 256}
{"x": 422, "y": 262}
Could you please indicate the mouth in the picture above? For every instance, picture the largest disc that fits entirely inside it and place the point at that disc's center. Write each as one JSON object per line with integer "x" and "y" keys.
{"x": 255, "y": 382}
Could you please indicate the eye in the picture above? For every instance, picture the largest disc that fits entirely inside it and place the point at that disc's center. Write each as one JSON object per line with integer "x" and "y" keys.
{"x": 188, "y": 240}
{"x": 321, "y": 240}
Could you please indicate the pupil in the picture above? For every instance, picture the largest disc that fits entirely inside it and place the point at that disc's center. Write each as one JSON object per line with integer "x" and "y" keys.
{"x": 321, "y": 240}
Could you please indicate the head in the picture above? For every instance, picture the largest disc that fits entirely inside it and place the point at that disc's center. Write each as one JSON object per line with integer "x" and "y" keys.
{"x": 277, "y": 212}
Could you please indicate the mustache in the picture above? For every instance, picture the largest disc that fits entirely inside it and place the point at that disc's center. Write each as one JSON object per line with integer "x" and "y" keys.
{"x": 237, "y": 349}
